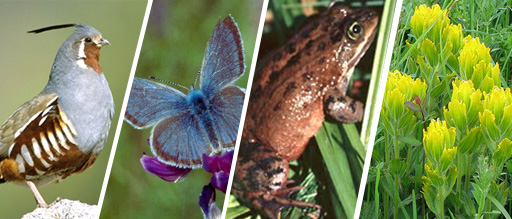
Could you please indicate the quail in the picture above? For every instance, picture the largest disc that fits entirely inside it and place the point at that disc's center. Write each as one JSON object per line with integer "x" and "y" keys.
{"x": 61, "y": 130}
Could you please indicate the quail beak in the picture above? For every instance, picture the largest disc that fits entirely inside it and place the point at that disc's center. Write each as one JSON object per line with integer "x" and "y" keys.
{"x": 103, "y": 42}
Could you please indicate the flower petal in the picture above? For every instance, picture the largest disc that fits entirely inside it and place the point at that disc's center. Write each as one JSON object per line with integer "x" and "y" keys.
{"x": 166, "y": 172}
{"x": 217, "y": 163}
{"x": 220, "y": 181}
{"x": 207, "y": 202}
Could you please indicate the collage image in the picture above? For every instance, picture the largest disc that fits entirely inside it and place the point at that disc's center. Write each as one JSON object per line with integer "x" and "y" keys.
{"x": 256, "y": 109}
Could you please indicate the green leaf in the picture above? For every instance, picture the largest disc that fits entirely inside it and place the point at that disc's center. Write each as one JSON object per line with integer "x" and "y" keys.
{"x": 412, "y": 106}
{"x": 410, "y": 140}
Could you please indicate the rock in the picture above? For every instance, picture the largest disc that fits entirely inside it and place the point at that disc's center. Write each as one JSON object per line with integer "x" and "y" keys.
{"x": 64, "y": 208}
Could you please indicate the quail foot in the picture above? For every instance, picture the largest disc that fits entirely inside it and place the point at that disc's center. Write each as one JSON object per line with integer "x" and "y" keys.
{"x": 61, "y": 130}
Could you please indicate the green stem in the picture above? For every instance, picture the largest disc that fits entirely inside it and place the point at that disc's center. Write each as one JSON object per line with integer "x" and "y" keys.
{"x": 397, "y": 185}
{"x": 468, "y": 158}
{"x": 459, "y": 177}
{"x": 387, "y": 157}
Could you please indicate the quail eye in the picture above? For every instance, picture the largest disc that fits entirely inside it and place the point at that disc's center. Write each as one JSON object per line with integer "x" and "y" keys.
{"x": 88, "y": 40}
{"x": 355, "y": 31}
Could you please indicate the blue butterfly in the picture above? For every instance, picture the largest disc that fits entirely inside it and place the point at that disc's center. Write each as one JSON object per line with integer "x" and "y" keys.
{"x": 204, "y": 121}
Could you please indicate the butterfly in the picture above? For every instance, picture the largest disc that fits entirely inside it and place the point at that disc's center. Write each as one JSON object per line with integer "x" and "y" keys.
{"x": 205, "y": 120}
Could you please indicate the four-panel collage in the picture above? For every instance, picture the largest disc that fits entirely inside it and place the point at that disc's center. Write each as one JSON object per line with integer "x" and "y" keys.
{"x": 256, "y": 109}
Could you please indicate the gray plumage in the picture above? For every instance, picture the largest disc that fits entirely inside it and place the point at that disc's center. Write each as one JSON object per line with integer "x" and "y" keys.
{"x": 76, "y": 94}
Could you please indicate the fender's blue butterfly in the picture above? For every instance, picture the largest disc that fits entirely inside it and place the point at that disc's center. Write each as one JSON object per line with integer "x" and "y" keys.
{"x": 204, "y": 121}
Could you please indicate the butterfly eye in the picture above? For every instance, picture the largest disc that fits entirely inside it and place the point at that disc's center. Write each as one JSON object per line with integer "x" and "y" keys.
{"x": 88, "y": 40}
{"x": 355, "y": 31}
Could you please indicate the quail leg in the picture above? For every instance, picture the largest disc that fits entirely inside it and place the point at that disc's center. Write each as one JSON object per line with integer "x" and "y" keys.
{"x": 343, "y": 108}
{"x": 37, "y": 195}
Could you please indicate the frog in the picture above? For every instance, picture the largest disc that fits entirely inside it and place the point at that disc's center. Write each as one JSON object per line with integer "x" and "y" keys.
{"x": 293, "y": 92}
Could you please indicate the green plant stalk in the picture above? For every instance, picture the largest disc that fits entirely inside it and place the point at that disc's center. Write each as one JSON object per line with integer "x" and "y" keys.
{"x": 387, "y": 157}
{"x": 459, "y": 177}
{"x": 377, "y": 193}
{"x": 397, "y": 185}
{"x": 440, "y": 202}
{"x": 414, "y": 213}
{"x": 468, "y": 156}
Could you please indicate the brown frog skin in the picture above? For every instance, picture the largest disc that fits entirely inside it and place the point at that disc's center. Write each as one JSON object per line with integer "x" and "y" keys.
{"x": 292, "y": 91}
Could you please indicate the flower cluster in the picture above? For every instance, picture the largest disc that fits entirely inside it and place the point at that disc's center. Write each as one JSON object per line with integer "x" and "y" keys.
{"x": 400, "y": 88}
{"x": 218, "y": 165}
{"x": 476, "y": 117}
{"x": 475, "y": 64}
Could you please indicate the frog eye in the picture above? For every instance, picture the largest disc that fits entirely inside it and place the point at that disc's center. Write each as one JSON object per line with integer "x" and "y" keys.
{"x": 355, "y": 31}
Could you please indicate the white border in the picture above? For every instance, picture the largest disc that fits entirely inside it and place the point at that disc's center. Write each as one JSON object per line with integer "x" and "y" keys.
{"x": 246, "y": 101}
{"x": 123, "y": 108}
{"x": 378, "y": 106}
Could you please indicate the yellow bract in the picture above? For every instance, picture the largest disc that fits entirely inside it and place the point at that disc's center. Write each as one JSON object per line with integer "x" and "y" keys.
{"x": 475, "y": 64}
{"x": 436, "y": 139}
{"x": 453, "y": 34}
{"x": 424, "y": 17}
{"x": 406, "y": 85}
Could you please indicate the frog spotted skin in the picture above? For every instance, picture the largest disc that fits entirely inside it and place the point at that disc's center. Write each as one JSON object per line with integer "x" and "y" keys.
{"x": 292, "y": 93}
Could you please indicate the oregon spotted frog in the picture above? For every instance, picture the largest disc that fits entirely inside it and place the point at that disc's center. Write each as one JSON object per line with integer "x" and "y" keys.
{"x": 292, "y": 91}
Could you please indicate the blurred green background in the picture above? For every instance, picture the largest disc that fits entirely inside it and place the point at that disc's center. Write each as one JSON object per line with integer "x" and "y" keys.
{"x": 26, "y": 60}
{"x": 173, "y": 50}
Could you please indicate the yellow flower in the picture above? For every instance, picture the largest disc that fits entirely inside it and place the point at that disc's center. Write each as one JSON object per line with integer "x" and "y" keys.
{"x": 496, "y": 119}
{"x": 453, "y": 34}
{"x": 436, "y": 139}
{"x": 503, "y": 152}
{"x": 406, "y": 85}
{"x": 424, "y": 17}
{"x": 465, "y": 93}
{"x": 475, "y": 64}
{"x": 399, "y": 89}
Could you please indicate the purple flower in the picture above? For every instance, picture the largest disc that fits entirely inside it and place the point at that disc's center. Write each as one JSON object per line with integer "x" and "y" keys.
{"x": 166, "y": 172}
{"x": 220, "y": 167}
{"x": 207, "y": 202}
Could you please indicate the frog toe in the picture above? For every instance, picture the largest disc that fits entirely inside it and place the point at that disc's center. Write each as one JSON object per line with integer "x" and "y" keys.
{"x": 343, "y": 108}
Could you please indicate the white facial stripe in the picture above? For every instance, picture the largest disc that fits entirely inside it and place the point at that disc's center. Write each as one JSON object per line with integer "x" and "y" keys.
{"x": 81, "y": 64}
{"x": 81, "y": 55}
{"x": 81, "y": 52}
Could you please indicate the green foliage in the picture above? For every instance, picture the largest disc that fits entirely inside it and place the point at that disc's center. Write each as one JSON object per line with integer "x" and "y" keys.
{"x": 330, "y": 172}
{"x": 173, "y": 49}
{"x": 464, "y": 119}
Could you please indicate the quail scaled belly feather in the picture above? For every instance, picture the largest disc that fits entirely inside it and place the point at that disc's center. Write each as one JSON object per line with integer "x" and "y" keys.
{"x": 61, "y": 130}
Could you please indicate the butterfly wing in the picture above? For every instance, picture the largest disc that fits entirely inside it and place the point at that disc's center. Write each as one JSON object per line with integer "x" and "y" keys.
{"x": 151, "y": 102}
{"x": 178, "y": 140}
{"x": 226, "y": 110}
{"x": 223, "y": 62}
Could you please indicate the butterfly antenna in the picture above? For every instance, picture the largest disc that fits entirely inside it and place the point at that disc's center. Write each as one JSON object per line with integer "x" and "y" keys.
{"x": 197, "y": 77}
{"x": 168, "y": 82}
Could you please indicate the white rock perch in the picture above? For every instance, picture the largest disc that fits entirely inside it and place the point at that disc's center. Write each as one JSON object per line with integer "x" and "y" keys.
{"x": 64, "y": 208}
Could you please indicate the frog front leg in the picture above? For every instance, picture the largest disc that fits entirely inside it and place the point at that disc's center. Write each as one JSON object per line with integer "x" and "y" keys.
{"x": 342, "y": 108}
{"x": 261, "y": 181}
